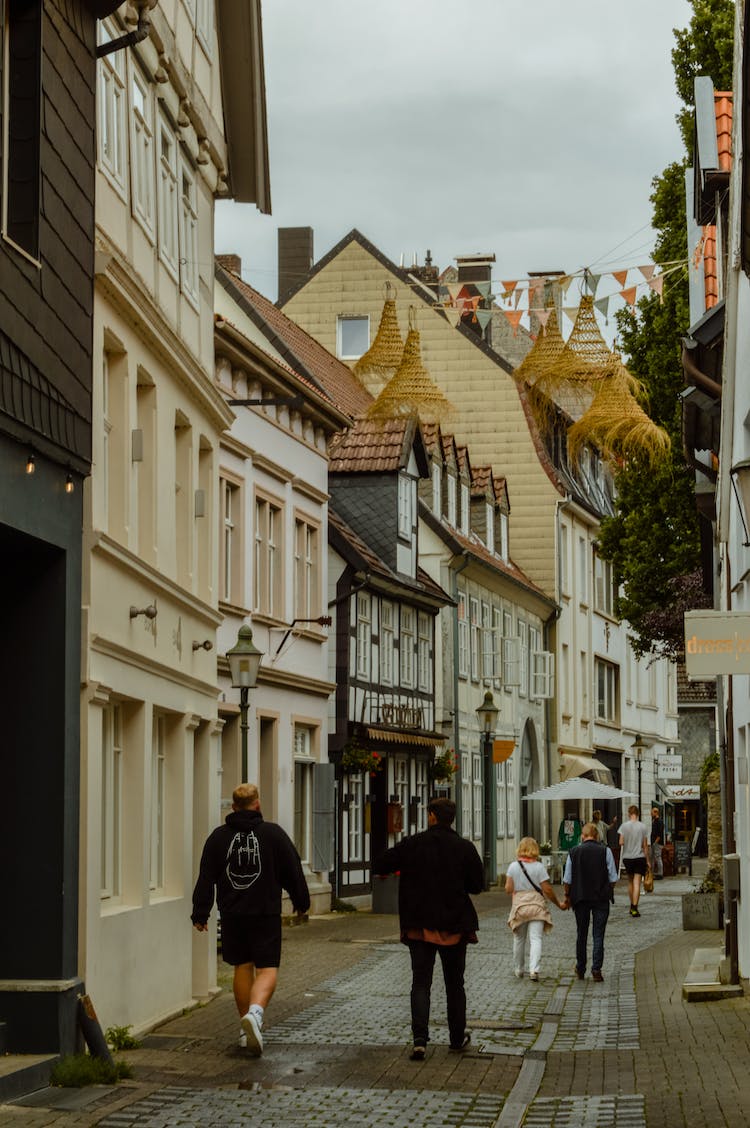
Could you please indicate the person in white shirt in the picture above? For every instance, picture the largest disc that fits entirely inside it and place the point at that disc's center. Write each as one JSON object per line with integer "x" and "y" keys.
{"x": 634, "y": 852}
{"x": 528, "y": 883}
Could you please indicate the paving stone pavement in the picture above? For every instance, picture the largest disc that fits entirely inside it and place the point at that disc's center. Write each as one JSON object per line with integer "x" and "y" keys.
{"x": 627, "y": 1052}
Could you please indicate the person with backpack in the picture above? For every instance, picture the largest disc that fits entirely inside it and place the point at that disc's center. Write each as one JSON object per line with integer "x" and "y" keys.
{"x": 247, "y": 862}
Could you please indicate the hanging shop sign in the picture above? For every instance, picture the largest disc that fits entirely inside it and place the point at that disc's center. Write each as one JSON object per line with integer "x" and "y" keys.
{"x": 502, "y": 750}
{"x": 717, "y": 642}
{"x": 669, "y": 766}
{"x": 684, "y": 792}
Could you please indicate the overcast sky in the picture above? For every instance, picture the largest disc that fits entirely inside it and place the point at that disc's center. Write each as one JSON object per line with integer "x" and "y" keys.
{"x": 527, "y": 128}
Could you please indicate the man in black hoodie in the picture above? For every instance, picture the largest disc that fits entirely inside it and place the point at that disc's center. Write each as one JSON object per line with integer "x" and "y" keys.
{"x": 439, "y": 870}
{"x": 248, "y": 862}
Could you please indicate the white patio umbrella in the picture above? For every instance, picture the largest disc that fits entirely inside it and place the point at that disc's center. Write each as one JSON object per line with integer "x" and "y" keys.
{"x": 579, "y": 788}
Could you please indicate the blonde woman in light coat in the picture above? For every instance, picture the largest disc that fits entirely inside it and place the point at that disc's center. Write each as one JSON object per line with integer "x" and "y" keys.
{"x": 528, "y": 883}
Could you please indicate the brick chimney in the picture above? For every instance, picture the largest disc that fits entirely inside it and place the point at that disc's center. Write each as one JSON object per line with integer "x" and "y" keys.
{"x": 232, "y": 263}
{"x": 295, "y": 251}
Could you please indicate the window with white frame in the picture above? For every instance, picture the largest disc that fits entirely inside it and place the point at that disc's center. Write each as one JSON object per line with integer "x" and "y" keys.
{"x": 451, "y": 492}
{"x": 169, "y": 246}
{"x": 584, "y": 667}
{"x": 489, "y": 538}
{"x": 424, "y": 652}
{"x": 607, "y": 690}
{"x": 422, "y": 785}
{"x": 142, "y": 154}
{"x": 111, "y": 802}
{"x": 564, "y": 568}
{"x": 405, "y": 508}
{"x": 188, "y": 230}
{"x": 387, "y": 643}
{"x": 204, "y": 24}
{"x": 497, "y": 646}
{"x": 604, "y": 590}
{"x": 306, "y": 569}
{"x": 488, "y": 653}
{"x": 583, "y": 571}
{"x": 463, "y": 635}
{"x": 534, "y": 648}
{"x": 437, "y": 486}
{"x": 230, "y": 545}
{"x": 352, "y": 337}
{"x": 478, "y": 793}
{"x": 406, "y": 644}
{"x": 504, "y": 546}
{"x": 268, "y": 558}
{"x": 500, "y": 799}
{"x": 542, "y": 675}
{"x": 355, "y": 817}
{"x": 466, "y": 791}
{"x": 364, "y": 633}
{"x": 465, "y": 509}
{"x": 157, "y": 821}
{"x": 112, "y": 109}
{"x": 523, "y": 634}
{"x": 303, "y": 791}
{"x": 510, "y": 798}
{"x": 400, "y": 767}
{"x": 474, "y": 637}
{"x": 510, "y": 669}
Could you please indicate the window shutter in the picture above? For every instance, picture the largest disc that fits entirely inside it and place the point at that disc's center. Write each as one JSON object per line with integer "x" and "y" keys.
{"x": 512, "y": 661}
{"x": 542, "y": 674}
{"x": 323, "y": 821}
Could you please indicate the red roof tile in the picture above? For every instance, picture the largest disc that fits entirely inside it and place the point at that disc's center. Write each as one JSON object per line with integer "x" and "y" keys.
{"x": 371, "y": 446}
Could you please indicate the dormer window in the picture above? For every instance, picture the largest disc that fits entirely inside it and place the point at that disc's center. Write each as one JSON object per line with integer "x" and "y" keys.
{"x": 464, "y": 509}
{"x": 451, "y": 500}
{"x": 437, "y": 489}
{"x": 504, "y": 550}
{"x": 490, "y": 536}
{"x": 405, "y": 509}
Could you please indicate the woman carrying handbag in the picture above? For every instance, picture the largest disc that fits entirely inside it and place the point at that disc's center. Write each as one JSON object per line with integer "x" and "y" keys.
{"x": 528, "y": 883}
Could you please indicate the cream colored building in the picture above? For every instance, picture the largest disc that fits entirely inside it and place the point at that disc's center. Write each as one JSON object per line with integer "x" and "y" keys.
{"x": 150, "y": 748}
{"x": 603, "y": 697}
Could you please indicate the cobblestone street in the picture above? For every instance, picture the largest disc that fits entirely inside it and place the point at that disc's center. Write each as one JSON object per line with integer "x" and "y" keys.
{"x": 627, "y": 1052}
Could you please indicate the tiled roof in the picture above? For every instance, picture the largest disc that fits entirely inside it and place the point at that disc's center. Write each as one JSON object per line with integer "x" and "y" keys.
{"x": 368, "y": 559}
{"x": 723, "y": 111}
{"x": 301, "y": 351}
{"x": 371, "y": 446}
{"x": 694, "y": 692}
{"x": 480, "y": 480}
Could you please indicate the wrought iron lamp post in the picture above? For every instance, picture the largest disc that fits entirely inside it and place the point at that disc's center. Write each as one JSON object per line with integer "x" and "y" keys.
{"x": 487, "y": 713}
{"x": 244, "y": 663}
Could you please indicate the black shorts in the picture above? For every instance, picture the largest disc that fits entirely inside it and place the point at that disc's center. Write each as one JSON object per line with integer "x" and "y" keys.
{"x": 251, "y": 939}
{"x": 635, "y": 865}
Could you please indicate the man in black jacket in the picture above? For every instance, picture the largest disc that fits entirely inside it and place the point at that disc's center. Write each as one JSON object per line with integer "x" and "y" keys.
{"x": 249, "y": 861}
{"x": 439, "y": 870}
{"x": 589, "y": 882}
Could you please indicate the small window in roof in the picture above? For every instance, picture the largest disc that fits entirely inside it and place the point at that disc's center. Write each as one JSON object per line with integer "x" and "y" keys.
{"x": 352, "y": 337}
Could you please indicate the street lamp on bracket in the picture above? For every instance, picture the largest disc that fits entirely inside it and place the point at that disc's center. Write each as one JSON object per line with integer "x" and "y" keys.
{"x": 244, "y": 664}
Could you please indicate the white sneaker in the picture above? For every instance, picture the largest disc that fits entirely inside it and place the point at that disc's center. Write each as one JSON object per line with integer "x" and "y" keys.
{"x": 534, "y": 976}
{"x": 243, "y": 1040}
{"x": 249, "y": 1024}
{"x": 518, "y": 974}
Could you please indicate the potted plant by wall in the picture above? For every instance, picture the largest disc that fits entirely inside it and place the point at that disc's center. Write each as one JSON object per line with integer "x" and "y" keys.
{"x": 356, "y": 758}
{"x": 444, "y": 766}
{"x": 704, "y": 906}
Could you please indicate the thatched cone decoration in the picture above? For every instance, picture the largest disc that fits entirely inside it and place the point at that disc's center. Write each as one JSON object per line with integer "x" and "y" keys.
{"x": 411, "y": 388}
{"x": 617, "y": 424}
{"x": 586, "y": 356}
{"x": 543, "y": 354}
{"x": 383, "y": 357}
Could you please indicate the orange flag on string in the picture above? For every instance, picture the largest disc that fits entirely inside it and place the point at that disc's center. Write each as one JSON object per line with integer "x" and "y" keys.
{"x": 514, "y": 317}
{"x": 621, "y": 277}
{"x": 629, "y": 295}
{"x": 509, "y": 287}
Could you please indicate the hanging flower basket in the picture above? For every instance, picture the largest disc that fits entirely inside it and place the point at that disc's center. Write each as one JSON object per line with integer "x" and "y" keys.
{"x": 358, "y": 759}
{"x": 444, "y": 766}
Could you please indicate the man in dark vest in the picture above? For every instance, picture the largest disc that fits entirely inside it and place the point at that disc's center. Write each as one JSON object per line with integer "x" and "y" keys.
{"x": 589, "y": 882}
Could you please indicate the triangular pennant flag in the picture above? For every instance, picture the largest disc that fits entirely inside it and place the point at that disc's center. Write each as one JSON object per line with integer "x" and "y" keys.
{"x": 629, "y": 295}
{"x": 592, "y": 281}
{"x": 657, "y": 284}
{"x": 564, "y": 283}
{"x": 517, "y": 296}
{"x": 542, "y": 316}
{"x": 514, "y": 317}
{"x": 453, "y": 313}
{"x": 620, "y": 276}
{"x": 454, "y": 289}
{"x": 484, "y": 316}
{"x": 509, "y": 287}
{"x": 571, "y": 312}
{"x": 484, "y": 288}
{"x": 602, "y": 304}
{"x": 647, "y": 271}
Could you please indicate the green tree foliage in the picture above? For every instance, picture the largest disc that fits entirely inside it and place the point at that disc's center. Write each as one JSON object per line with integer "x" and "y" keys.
{"x": 652, "y": 540}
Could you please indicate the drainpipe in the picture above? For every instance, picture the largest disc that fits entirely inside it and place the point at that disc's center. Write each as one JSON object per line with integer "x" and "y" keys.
{"x": 456, "y": 745}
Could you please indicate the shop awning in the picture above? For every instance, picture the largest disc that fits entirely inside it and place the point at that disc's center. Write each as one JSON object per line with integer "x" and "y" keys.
{"x": 388, "y": 736}
{"x": 577, "y": 762}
